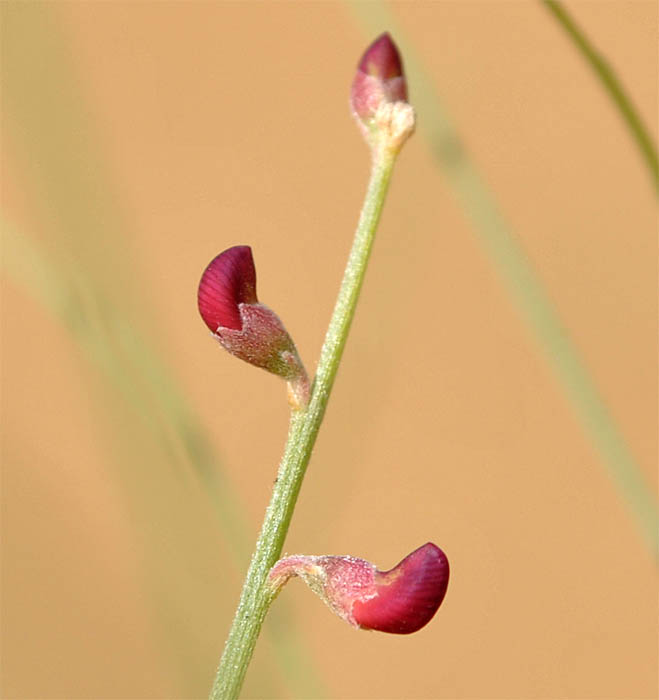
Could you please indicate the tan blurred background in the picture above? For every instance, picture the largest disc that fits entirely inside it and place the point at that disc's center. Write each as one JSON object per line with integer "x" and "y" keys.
{"x": 141, "y": 139}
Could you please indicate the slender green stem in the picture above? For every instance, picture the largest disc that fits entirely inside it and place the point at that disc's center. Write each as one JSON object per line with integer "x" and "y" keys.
{"x": 26, "y": 265}
{"x": 256, "y": 598}
{"x": 612, "y": 85}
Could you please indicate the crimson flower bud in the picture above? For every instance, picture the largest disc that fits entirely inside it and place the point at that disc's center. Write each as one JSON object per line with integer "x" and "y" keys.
{"x": 379, "y": 78}
{"x": 400, "y": 601}
{"x": 247, "y": 329}
{"x": 378, "y": 96}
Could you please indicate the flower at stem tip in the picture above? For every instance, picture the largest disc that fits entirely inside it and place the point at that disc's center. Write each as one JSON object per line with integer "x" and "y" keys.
{"x": 378, "y": 96}
{"x": 246, "y": 328}
{"x": 401, "y": 600}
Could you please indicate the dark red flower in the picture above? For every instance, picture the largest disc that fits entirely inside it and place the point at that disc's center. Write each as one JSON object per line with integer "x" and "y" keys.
{"x": 408, "y": 595}
{"x": 229, "y": 280}
{"x": 399, "y": 601}
{"x": 379, "y": 79}
{"x": 246, "y": 328}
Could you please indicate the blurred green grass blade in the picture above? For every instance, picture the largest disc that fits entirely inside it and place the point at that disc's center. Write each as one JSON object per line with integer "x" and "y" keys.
{"x": 612, "y": 84}
{"x": 85, "y": 276}
{"x": 519, "y": 278}
{"x": 95, "y": 326}
{"x": 80, "y": 268}
{"x": 89, "y": 324}
{"x": 49, "y": 129}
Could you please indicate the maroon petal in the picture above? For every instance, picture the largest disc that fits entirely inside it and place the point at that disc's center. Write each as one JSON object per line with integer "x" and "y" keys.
{"x": 379, "y": 79}
{"x": 381, "y": 59}
{"x": 229, "y": 280}
{"x": 408, "y": 596}
{"x": 399, "y": 601}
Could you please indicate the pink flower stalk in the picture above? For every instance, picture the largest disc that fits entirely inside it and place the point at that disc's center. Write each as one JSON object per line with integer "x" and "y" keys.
{"x": 243, "y": 326}
{"x": 400, "y": 601}
{"x": 378, "y": 96}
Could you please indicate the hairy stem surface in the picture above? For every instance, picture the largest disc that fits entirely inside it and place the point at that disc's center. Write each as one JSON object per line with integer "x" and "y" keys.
{"x": 256, "y": 598}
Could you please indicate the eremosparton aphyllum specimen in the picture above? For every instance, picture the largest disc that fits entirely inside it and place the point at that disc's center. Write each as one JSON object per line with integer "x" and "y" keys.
{"x": 405, "y": 598}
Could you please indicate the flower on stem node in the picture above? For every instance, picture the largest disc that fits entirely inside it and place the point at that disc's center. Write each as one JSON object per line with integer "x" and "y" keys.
{"x": 378, "y": 97}
{"x": 243, "y": 326}
{"x": 400, "y": 601}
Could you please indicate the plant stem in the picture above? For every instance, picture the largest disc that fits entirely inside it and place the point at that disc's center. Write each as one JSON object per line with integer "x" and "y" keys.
{"x": 256, "y": 598}
{"x": 612, "y": 85}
